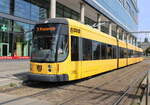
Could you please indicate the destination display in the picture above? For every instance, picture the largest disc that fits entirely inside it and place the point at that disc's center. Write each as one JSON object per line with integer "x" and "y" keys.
{"x": 46, "y": 28}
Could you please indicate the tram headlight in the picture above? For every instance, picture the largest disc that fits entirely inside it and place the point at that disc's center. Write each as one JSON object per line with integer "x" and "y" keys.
{"x": 49, "y": 68}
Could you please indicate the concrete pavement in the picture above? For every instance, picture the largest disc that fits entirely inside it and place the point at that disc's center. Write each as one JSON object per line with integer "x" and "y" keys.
{"x": 13, "y": 72}
{"x": 6, "y": 99}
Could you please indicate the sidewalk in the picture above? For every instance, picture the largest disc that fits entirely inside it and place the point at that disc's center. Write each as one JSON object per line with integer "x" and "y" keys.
{"x": 15, "y": 100}
{"x": 13, "y": 71}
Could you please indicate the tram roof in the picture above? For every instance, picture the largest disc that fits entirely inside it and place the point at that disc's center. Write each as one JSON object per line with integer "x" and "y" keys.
{"x": 54, "y": 20}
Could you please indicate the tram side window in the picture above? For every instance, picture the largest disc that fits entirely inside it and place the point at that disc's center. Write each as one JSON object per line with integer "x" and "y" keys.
{"x": 132, "y": 54}
{"x": 109, "y": 51}
{"x": 87, "y": 49}
{"x": 95, "y": 50}
{"x": 140, "y": 54}
{"x": 135, "y": 53}
{"x": 129, "y": 53}
{"x": 125, "y": 53}
{"x": 103, "y": 51}
{"x": 121, "y": 52}
{"x": 114, "y": 52}
{"x": 74, "y": 48}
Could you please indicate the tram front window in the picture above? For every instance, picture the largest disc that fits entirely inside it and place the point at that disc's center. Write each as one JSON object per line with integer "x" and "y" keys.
{"x": 50, "y": 46}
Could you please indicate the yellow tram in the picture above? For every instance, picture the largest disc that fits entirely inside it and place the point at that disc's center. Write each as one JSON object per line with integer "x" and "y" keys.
{"x": 66, "y": 50}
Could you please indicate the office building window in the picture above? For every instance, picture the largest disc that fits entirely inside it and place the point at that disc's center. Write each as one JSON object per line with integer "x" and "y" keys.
{"x": 63, "y": 11}
{"x": 4, "y": 6}
{"x": 29, "y": 11}
{"x": 89, "y": 21}
{"x": 59, "y": 10}
{"x": 22, "y": 40}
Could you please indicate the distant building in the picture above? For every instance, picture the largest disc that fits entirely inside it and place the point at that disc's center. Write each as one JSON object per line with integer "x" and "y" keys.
{"x": 144, "y": 45}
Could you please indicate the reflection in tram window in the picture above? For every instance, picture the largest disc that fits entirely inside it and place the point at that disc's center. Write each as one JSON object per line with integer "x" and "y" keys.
{"x": 62, "y": 49}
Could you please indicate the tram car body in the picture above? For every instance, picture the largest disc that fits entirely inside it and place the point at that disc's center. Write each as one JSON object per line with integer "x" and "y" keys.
{"x": 66, "y": 50}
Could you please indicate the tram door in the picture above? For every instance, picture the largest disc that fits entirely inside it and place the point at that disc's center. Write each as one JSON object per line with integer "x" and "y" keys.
{"x": 4, "y": 49}
{"x": 76, "y": 57}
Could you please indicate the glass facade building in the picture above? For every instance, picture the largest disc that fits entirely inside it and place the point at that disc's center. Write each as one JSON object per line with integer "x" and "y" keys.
{"x": 5, "y": 6}
{"x": 19, "y": 16}
{"x": 122, "y": 12}
{"x": 13, "y": 40}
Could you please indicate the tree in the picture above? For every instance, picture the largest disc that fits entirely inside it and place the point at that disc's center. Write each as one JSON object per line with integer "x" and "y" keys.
{"x": 147, "y": 51}
{"x": 146, "y": 40}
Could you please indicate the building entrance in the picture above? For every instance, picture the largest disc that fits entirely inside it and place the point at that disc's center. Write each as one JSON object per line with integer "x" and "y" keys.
{"x": 4, "y": 49}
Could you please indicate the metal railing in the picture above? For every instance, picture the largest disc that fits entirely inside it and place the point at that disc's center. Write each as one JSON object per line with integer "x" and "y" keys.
{"x": 147, "y": 88}
{"x": 119, "y": 100}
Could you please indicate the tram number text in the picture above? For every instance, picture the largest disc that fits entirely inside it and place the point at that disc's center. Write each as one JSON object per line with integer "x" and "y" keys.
{"x": 74, "y": 30}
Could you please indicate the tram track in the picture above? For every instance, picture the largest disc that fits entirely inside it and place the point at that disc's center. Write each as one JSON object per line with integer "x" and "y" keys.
{"x": 64, "y": 99}
{"x": 122, "y": 76}
{"x": 121, "y": 88}
{"x": 33, "y": 83}
{"x": 86, "y": 87}
{"x": 129, "y": 90}
{"x": 119, "y": 91}
{"x": 32, "y": 91}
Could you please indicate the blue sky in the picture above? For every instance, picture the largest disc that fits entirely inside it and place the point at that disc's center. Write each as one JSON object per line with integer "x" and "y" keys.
{"x": 144, "y": 14}
{"x": 144, "y": 18}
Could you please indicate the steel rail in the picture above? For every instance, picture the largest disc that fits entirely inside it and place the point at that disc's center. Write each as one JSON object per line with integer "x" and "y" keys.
{"x": 128, "y": 89}
{"x": 110, "y": 81}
